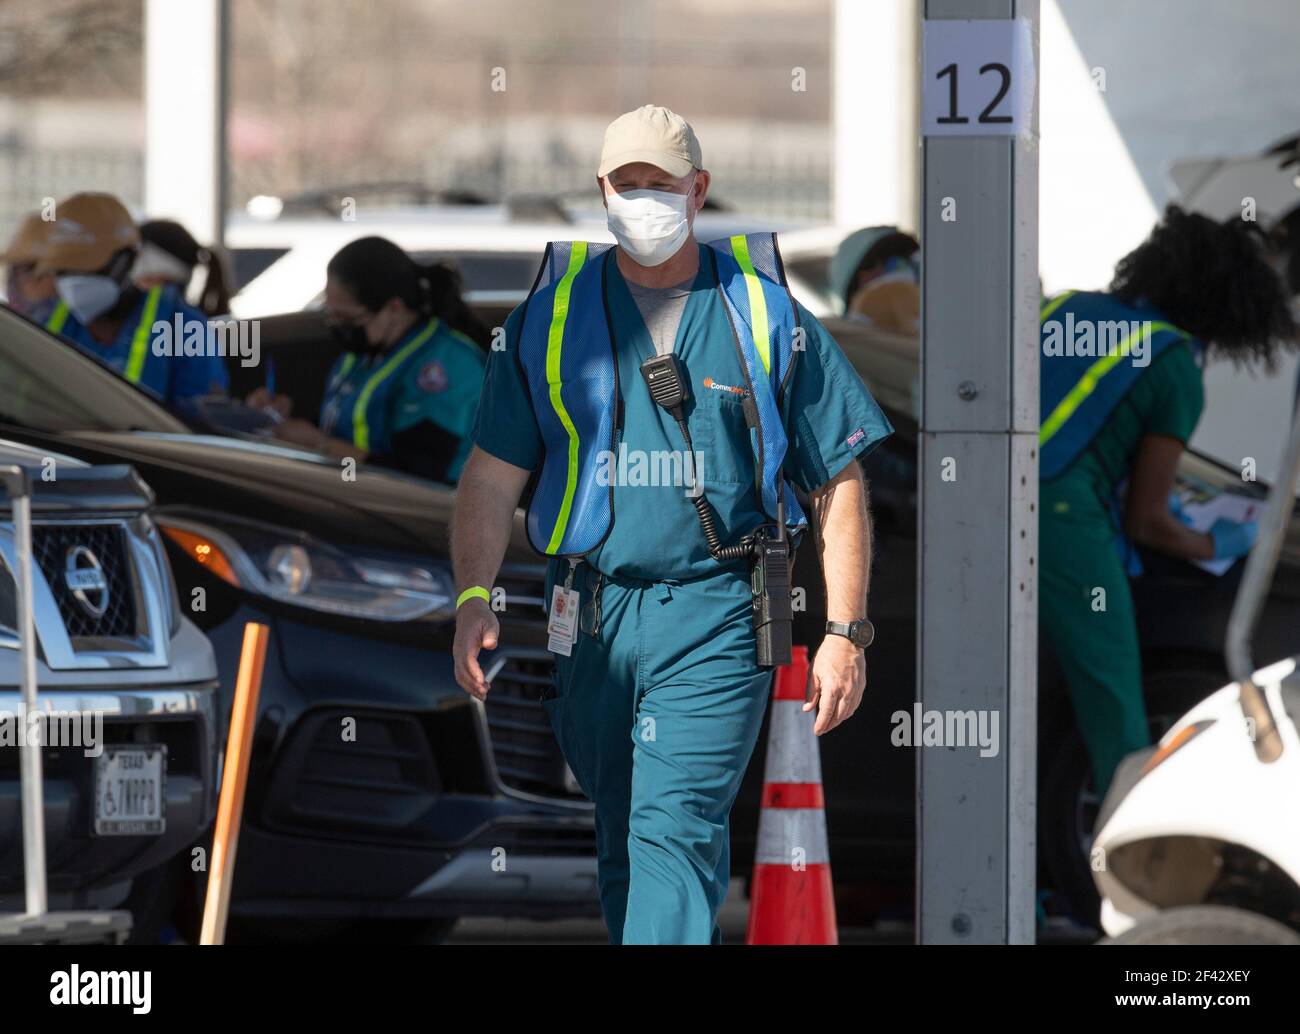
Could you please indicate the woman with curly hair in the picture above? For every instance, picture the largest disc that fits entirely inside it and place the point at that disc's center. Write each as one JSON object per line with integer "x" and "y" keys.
{"x": 1120, "y": 396}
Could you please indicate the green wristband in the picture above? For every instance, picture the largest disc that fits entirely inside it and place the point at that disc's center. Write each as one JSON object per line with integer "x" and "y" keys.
{"x": 474, "y": 592}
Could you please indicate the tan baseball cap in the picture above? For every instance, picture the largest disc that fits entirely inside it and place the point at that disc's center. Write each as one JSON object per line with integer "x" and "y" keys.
{"x": 651, "y": 134}
{"x": 87, "y": 231}
{"x": 28, "y": 242}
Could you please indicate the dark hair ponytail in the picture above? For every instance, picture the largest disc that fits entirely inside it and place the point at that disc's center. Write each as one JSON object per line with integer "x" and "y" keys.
{"x": 443, "y": 298}
{"x": 1214, "y": 281}
{"x": 214, "y": 299}
{"x": 374, "y": 269}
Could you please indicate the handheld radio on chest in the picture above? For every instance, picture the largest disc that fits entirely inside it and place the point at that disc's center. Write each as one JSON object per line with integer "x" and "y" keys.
{"x": 767, "y": 549}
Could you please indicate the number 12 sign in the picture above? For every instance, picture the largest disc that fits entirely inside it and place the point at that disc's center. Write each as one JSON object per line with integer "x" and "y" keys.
{"x": 979, "y": 77}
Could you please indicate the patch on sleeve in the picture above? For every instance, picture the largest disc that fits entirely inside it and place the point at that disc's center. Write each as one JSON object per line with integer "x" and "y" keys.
{"x": 432, "y": 377}
{"x": 855, "y": 437}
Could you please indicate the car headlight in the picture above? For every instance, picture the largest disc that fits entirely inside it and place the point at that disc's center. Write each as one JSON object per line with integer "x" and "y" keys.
{"x": 295, "y": 568}
{"x": 1170, "y": 745}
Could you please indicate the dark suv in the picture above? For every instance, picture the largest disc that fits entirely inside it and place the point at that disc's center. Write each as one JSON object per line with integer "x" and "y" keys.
{"x": 378, "y": 789}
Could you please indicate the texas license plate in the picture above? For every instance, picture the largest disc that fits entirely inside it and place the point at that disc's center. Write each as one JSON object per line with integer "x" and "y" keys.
{"x": 129, "y": 791}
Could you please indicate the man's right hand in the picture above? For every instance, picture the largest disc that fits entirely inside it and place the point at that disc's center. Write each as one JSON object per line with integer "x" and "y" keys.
{"x": 476, "y": 629}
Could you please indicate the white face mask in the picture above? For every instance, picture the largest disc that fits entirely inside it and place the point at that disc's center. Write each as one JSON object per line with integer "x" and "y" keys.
{"x": 650, "y": 225}
{"x": 153, "y": 261}
{"x": 88, "y": 295}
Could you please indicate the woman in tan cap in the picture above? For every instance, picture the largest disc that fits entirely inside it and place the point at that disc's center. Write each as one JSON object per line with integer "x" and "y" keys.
{"x": 91, "y": 250}
{"x": 26, "y": 291}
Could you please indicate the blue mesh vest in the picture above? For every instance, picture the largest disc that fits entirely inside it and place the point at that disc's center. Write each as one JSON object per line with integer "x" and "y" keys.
{"x": 566, "y": 353}
{"x": 1087, "y": 342}
{"x": 1078, "y": 392}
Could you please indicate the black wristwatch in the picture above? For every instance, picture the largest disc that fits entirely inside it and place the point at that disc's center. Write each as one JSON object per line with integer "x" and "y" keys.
{"x": 859, "y": 633}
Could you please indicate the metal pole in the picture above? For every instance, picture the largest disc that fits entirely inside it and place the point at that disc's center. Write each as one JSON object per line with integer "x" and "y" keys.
{"x": 185, "y": 114}
{"x": 978, "y": 485}
{"x": 1251, "y": 594}
{"x": 18, "y": 487}
{"x": 874, "y": 113}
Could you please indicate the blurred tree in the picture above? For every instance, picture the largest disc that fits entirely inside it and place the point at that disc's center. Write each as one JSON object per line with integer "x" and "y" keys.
{"x": 71, "y": 47}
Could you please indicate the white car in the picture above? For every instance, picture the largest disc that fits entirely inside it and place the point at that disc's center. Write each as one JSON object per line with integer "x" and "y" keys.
{"x": 1197, "y": 840}
{"x": 281, "y": 261}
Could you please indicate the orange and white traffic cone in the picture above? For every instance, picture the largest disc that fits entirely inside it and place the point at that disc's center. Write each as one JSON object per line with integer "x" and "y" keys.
{"x": 791, "y": 900}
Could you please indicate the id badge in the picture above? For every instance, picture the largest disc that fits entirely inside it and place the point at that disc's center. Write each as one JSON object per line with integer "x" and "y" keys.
{"x": 562, "y": 628}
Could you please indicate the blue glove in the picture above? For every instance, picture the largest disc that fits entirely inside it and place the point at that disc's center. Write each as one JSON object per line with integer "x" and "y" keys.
{"x": 1176, "y": 508}
{"x": 1232, "y": 539}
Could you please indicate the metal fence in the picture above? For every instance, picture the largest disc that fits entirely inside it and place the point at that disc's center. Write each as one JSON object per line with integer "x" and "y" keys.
{"x": 27, "y": 178}
{"x": 780, "y": 182}
{"x": 792, "y": 183}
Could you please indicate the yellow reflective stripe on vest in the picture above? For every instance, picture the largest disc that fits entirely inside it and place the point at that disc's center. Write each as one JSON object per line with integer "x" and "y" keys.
{"x": 1052, "y": 304}
{"x": 361, "y": 426}
{"x": 57, "y": 318}
{"x": 554, "y": 346}
{"x": 757, "y": 303}
{"x": 143, "y": 332}
{"x": 1088, "y": 382}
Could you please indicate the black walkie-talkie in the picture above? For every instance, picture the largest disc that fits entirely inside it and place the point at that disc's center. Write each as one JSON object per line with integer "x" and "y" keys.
{"x": 663, "y": 376}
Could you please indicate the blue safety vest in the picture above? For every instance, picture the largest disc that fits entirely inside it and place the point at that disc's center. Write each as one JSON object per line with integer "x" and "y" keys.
{"x": 567, "y": 356}
{"x": 57, "y": 317}
{"x": 132, "y": 354}
{"x": 356, "y": 408}
{"x": 1078, "y": 392}
{"x": 138, "y": 355}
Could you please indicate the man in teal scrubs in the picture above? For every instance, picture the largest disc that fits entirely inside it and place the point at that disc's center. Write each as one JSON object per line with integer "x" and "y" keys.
{"x": 658, "y": 693}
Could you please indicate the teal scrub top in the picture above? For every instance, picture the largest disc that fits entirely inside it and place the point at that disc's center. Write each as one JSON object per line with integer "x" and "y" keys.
{"x": 1167, "y": 399}
{"x": 830, "y": 419}
{"x": 433, "y": 373}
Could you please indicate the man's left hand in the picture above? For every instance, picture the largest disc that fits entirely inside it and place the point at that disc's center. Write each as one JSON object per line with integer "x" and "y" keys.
{"x": 836, "y": 682}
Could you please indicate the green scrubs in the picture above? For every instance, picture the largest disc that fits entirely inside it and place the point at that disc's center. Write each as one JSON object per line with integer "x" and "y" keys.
{"x": 658, "y": 707}
{"x": 1085, "y": 605}
{"x": 433, "y": 374}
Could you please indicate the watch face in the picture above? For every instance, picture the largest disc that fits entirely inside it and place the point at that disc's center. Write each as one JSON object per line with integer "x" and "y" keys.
{"x": 862, "y": 632}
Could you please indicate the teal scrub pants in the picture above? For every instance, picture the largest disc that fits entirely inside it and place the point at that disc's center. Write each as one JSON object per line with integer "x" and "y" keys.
{"x": 657, "y": 714}
{"x": 1085, "y": 607}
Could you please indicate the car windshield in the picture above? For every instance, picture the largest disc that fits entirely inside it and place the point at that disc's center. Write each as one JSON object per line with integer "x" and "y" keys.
{"x": 48, "y": 385}
{"x": 489, "y": 271}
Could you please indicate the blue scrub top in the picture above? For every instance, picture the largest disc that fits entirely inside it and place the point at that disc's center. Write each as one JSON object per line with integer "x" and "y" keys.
{"x": 433, "y": 373}
{"x": 173, "y": 377}
{"x": 830, "y": 419}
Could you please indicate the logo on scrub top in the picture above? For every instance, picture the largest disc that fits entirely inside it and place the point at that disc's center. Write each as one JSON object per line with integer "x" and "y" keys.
{"x": 432, "y": 377}
{"x": 709, "y": 382}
